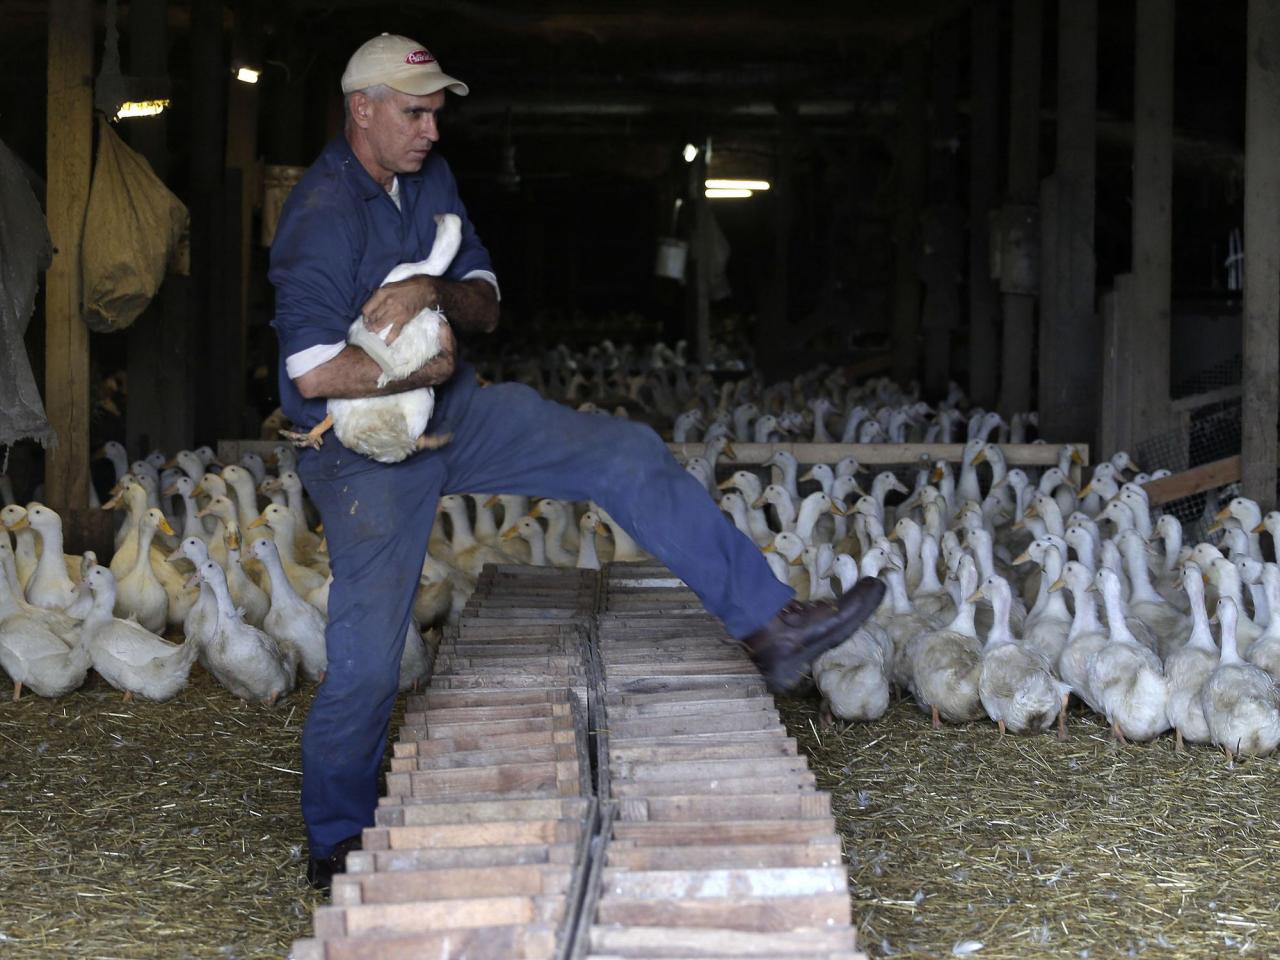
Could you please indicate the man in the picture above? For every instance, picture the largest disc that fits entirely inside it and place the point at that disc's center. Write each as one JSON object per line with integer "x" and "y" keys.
{"x": 364, "y": 206}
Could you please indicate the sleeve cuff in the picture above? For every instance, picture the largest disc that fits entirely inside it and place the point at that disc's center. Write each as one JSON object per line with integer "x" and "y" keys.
{"x": 487, "y": 276}
{"x": 304, "y": 361}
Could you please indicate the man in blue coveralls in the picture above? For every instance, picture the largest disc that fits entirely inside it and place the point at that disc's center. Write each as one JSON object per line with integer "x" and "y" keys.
{"x": 366, "y": 205}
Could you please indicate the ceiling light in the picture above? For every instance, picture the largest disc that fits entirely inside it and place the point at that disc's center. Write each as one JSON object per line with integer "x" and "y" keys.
{"x": 690, "y": 153}
{"x": 141, "y": 108}
{"x": 247, "y": 75}
{"x": 737, "y": 184}
{"x": 724, "y": 193}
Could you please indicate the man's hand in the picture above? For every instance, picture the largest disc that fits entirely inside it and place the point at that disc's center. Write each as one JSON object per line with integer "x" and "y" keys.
{"x": 397, "y": 303}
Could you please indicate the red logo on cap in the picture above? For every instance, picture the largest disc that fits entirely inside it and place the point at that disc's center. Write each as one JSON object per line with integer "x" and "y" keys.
{"x": 420, "y": 56}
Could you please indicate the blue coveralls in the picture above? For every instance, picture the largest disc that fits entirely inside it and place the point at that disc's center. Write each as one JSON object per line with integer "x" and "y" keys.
{"x": 338, "y": 235}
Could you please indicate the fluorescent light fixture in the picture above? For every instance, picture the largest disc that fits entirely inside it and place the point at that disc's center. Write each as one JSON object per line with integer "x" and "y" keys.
{"x": 141, "y": 108}
{"x": 737, "y": 185}
{"x": 690, "y": 153}
{"x": 724, "y": 193}
{"x": 247, "y": 75}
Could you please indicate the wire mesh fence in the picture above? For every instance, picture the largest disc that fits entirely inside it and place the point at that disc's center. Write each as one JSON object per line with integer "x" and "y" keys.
{"x": 1210, "y": 409}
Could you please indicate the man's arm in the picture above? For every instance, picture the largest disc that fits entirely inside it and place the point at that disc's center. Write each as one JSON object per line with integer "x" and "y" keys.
{"x": 353, "y": 373}
{"x": 469, "y": 305}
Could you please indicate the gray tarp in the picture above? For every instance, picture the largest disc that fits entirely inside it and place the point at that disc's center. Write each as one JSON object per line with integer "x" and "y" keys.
{"x": 25, "y": 252}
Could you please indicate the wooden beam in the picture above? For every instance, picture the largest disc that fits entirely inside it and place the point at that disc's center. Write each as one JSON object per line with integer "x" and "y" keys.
{"x": 1261, "y": 378}
{"x": 1070, "y": 332}
{"x": 1208, "y": 476}
{"x": 913, "y": 134}
{"x": 942, "y": 251}
{"x": 878, "y": 454}
{"x": 1018, "y": 307}
{"x": 70, "y": 145}
{"x": 1152, "y": 220}
{"x": 984, "y": 182}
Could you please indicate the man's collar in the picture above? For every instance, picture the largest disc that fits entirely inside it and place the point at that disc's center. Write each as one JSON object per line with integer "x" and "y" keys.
{"x": 365, "y": 185}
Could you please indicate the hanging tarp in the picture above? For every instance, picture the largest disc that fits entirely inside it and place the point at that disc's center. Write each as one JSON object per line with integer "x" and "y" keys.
{"x": 135, "y": 230}
{"x": 25, "y": 253}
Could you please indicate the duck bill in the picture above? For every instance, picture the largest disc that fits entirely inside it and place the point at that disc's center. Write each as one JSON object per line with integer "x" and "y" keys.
{"x": 261, "y": 521}
{"x": 1057, "y": 585}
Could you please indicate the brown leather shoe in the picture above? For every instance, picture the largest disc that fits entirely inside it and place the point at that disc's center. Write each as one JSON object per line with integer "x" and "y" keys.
{"x": 801, "y": 632}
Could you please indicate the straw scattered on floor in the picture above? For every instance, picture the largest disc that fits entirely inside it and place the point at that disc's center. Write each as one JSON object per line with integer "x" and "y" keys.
{"x": 1035, "y": 848}
{"x": 150, "y": 830}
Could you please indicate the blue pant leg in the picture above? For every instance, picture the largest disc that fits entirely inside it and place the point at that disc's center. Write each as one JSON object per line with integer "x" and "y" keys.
{"x": 377, "y": 519}
{"x": 511, "y": 439}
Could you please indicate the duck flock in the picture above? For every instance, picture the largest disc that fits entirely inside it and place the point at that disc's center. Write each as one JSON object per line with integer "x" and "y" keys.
{"x": 1009, "y": 591}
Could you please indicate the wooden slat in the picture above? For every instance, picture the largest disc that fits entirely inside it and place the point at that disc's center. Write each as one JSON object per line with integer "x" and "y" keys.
{"x": 664, "y": 942}
{"x": 1196, "y": 480}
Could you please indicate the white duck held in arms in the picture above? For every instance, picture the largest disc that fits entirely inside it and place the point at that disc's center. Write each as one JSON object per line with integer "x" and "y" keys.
{"x": 390, "y": 428}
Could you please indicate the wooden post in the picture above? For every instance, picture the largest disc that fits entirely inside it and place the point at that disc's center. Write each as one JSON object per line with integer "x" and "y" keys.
{"x": 1261, "y": 379}
{"x": 912, "y": 149}
{"x": 984, "y": 159}
{"x": 208, "y": 88}
{"x": 942, "y": 252}
{"x": 700, "y": 259}
{"x": 1150, "y": 414}
{"x": 161, "y": 411}
{"x": 1071, "y": 336}
{"x": 66, "y": 386}
{"x": 1018, "y": 342}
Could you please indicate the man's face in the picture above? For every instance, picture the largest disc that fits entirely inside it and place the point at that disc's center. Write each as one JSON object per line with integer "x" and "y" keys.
{"x": 400, "y": 129}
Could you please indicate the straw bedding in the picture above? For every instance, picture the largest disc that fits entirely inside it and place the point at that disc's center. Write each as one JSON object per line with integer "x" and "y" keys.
{"x": 143, "y": 830}
{"x": 1035, "y": 848}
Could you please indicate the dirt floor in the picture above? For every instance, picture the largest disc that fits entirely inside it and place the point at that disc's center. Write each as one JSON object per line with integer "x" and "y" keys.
{"x": 172, "y": 830}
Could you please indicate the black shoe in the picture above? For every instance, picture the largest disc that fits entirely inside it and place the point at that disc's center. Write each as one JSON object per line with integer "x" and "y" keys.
{"x": 801, "y": 632}
{"x": 320, "y": 872}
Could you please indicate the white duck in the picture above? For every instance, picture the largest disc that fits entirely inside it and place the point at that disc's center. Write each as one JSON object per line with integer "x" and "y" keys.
{"x": 946, "y": 664}
{"x": 589, "y": 525}
{"x": 201, "y": 619}
{"x": 1187, "y": 668}
{"x": 244, "y": 659}
{"x": 127, "y": 655}
{"x": 26, "y": 558}
{"x": 1048, "y": 623}
{"x": 1170, "y": 628}
{"x": 31, "y": 652}
{"x": 283, "y": 529}
{"x": 251, "y": 600}
{"x": 291, "y": 620}
{"x": 854, "y": 677}
{"x": 139, "y": 593}
{"x": 1241, "y": 702}
{"x": 1265, "y": 651}
{"x": 1087, "y": 635}
{"x": 50, "y": 586}
{"x": 1017, "y": 686}
{"x": 469, "y": 554}
{"x": 1127, "y": 678}
{"x": 390, "y": 428}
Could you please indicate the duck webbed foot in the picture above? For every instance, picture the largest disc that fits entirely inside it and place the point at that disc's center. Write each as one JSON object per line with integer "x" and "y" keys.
{"x": 312, "y": 438}
{"x": 433, "y": 441}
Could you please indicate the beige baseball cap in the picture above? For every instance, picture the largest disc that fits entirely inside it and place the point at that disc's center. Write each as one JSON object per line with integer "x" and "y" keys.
{"x": 399, "y": 63}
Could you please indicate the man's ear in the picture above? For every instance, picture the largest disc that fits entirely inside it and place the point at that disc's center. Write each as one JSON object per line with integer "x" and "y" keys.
{"x": 361, "y": 109}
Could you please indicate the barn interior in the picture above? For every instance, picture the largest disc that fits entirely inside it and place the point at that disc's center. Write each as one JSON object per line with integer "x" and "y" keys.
{"x": 999, "y": 237}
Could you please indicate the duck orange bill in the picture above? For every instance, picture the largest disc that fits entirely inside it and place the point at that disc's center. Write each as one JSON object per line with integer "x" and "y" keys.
{"x": 115, "y": 501}
{"x": 259, "y": 522}
{"x": 512, "y": 533}
{"x": 1260, "y": 528}
{"x": 191, "y": 581}
{"x": 1222, "y": 514}
{"x": 175, "y": 556}
{"x": 492, "y": 502}
{"x": 20, "y": 524}
{"x": 1057, "y": 585}
{"x": 1023, "y": 557}
{"x": 977, "y": 595}
{"x": 164, "y": 525}
{"x": 728, "y": 452}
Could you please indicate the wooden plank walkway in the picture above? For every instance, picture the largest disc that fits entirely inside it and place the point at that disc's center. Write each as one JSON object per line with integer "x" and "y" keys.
{"x": 594, "y": 772}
